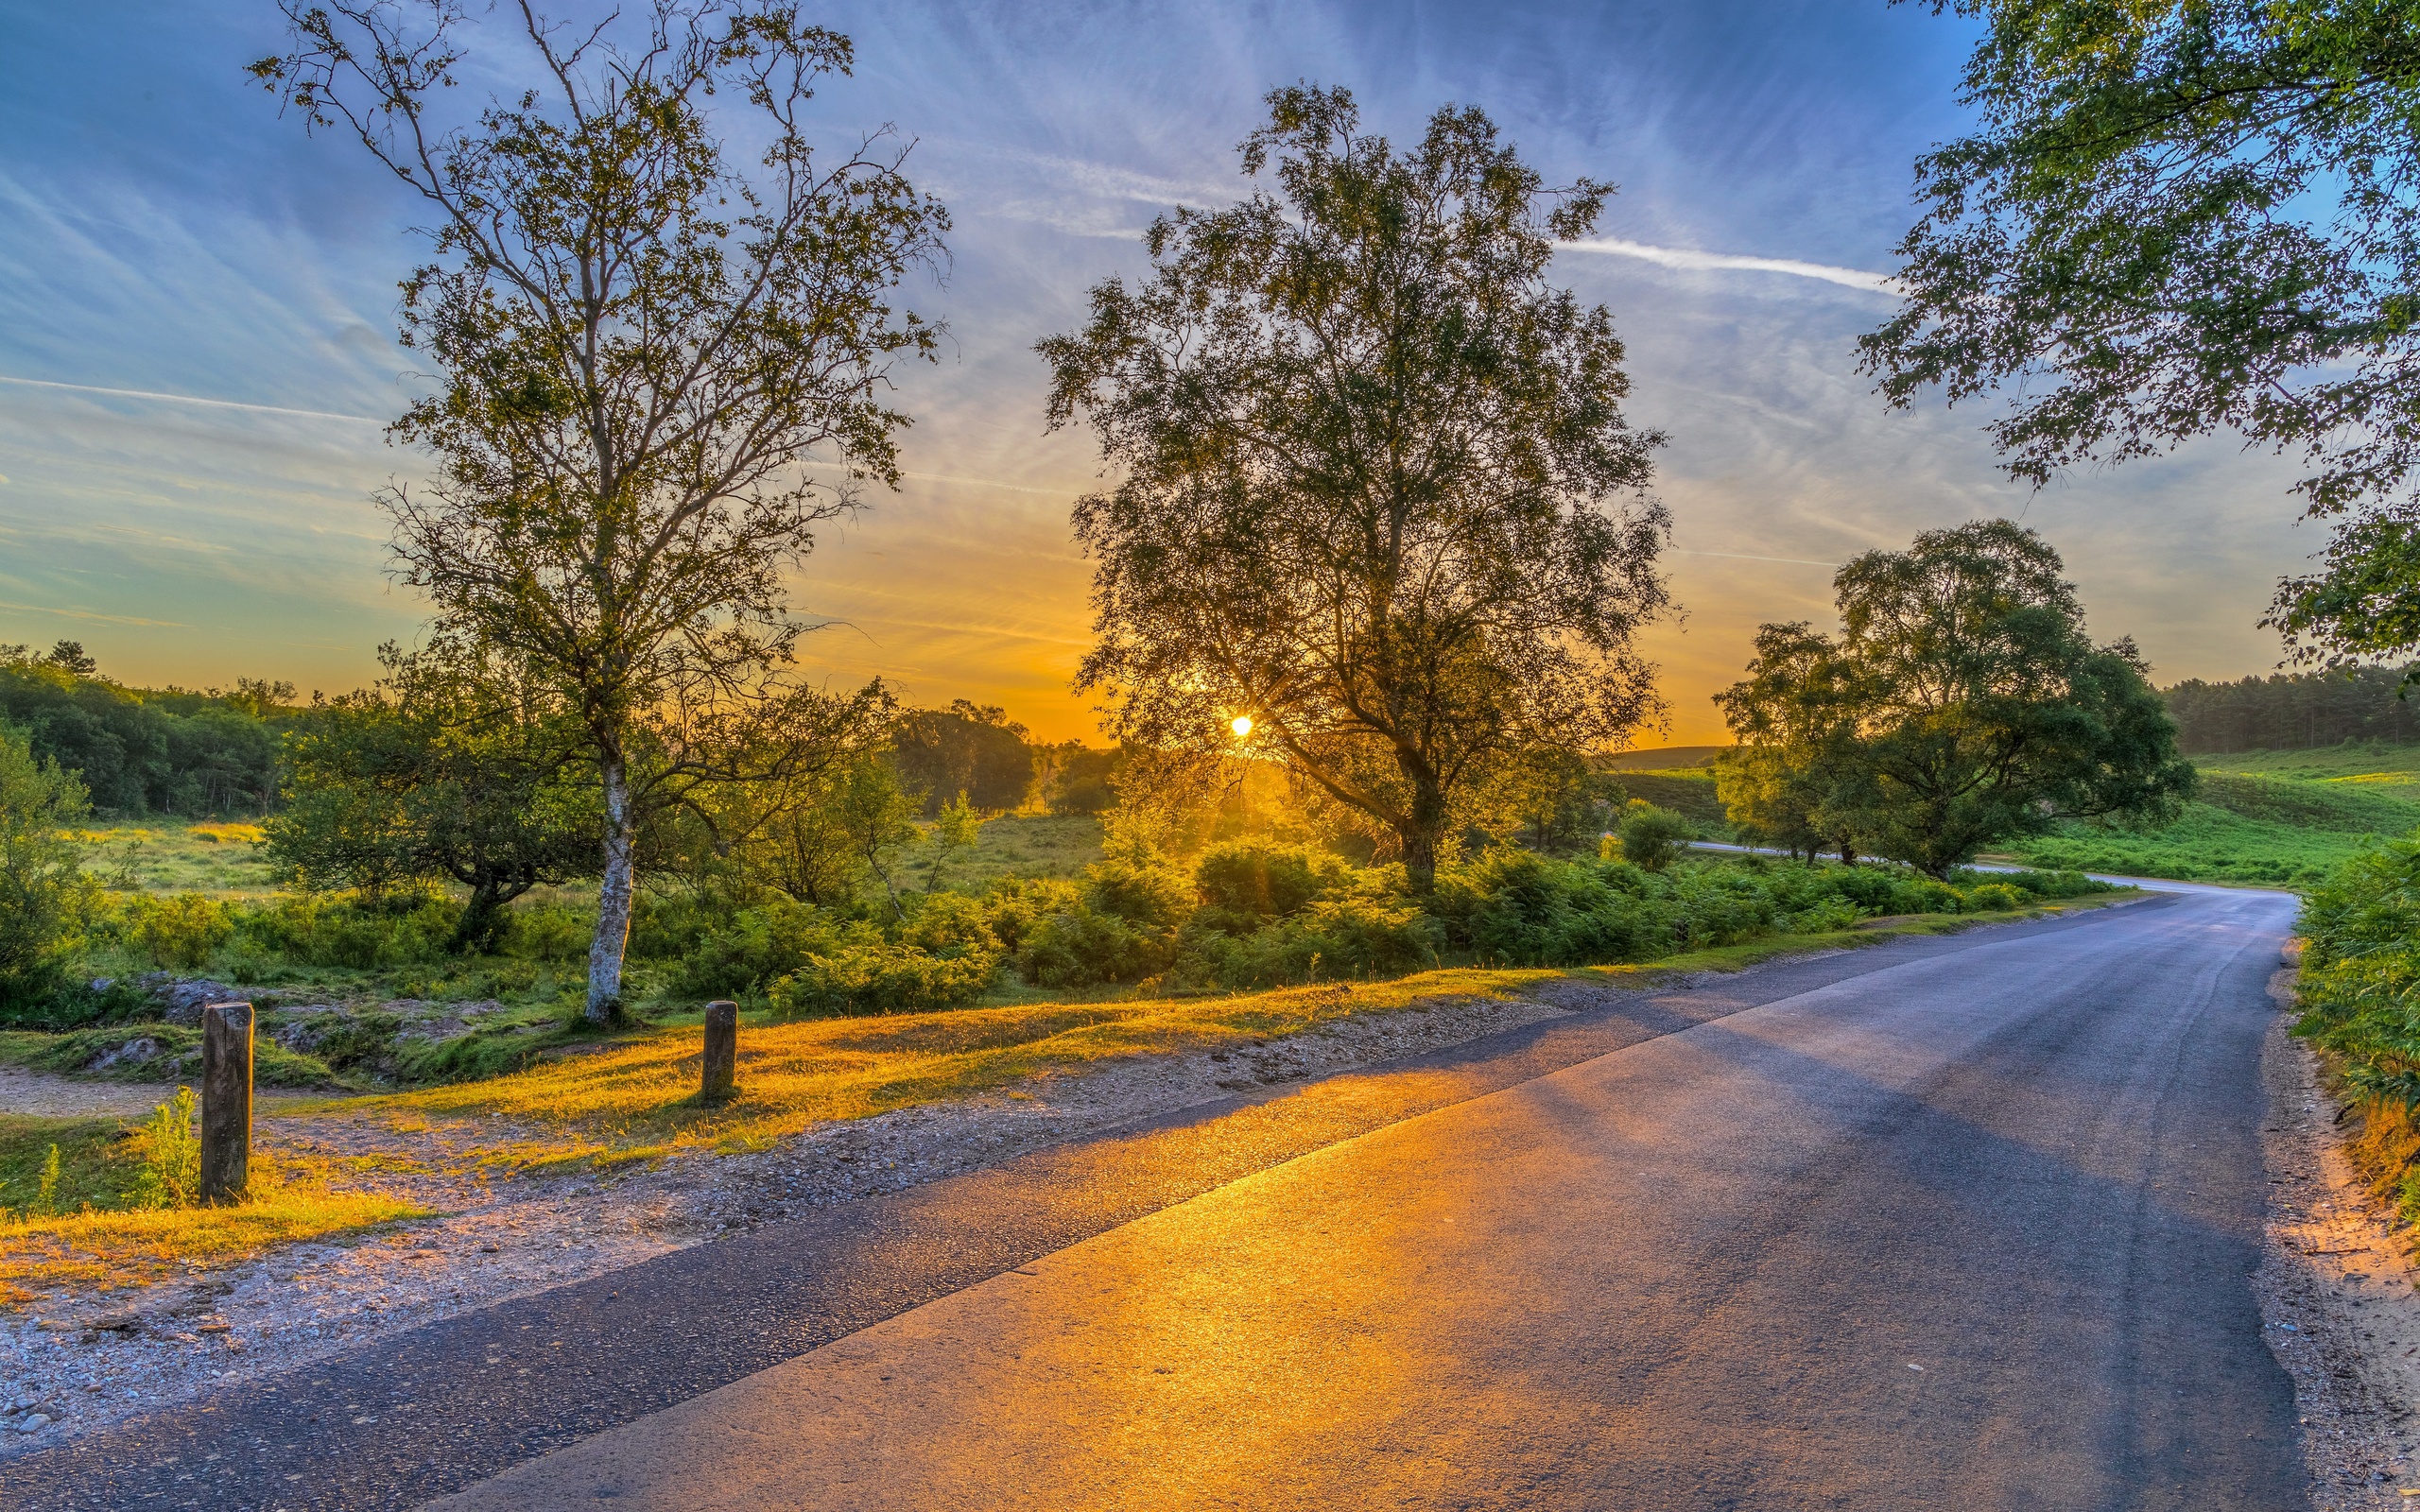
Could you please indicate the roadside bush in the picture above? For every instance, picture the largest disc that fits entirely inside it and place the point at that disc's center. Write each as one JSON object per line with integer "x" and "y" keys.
{"x": 548, "y": 932}
{"x": 2360, "y": 972}
{"x": 1082, "y": 946}
{"x": 1523, "y": 909}
{"x": 170, "y": 1176}
{"x": 1015, "y": 904}
{"x": 883, "y": 979}
{"x": 1994, "y": 898}
{"x": 950, "y": 923}
{"x": 1653, "y": 837}
{"x": 42, "y": 887}
{"x": 355, "y": 933}
{"x": 1351, "y": 936}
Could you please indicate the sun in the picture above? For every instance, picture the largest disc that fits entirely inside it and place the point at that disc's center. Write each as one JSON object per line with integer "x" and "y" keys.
{"x": 1242, "y": 726}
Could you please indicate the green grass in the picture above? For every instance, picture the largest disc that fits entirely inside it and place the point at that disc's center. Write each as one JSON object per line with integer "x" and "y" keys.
{"x": 1686, "y": 791}
{"x": 172, "y": 856}
{"x": 2282, "y": 817}
{"x": 2350, "y": 763}
{"x": 1014, "y": 845}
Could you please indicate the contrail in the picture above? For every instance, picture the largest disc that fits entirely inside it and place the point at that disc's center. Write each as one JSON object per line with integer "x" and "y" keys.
{"x": 1741, "y": 556}
{"x": 190, "y": 398}
{"x": 1705, "y": 262}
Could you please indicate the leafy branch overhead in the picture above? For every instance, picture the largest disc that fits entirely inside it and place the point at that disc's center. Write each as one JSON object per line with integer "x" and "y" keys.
{"x": 2181, "y": 217}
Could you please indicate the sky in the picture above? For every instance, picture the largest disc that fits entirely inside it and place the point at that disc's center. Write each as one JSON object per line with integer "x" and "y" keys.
{"x": 198, "y": 313}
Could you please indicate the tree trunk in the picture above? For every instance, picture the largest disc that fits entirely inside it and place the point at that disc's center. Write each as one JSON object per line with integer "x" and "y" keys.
{"x": 613, "y": 899}
{"x": 1422, "y": 830}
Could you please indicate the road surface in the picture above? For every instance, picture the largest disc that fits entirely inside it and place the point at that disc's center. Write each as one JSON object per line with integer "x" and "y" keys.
{"x": 1952, "y": 1223}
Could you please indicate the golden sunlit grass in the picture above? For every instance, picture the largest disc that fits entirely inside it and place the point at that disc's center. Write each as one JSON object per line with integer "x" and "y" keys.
{"x": 634, "y": 1098}
{"x": 89, "y": 1252}
{"x": 86, "y": 1247}
{"x": 222, "y": 860}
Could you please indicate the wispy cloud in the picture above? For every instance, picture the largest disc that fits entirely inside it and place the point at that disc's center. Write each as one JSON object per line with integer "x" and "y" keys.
{"x": 90, "y": 617}
{"x": 1688, "y": 260}
{"x": 190, "y": 398}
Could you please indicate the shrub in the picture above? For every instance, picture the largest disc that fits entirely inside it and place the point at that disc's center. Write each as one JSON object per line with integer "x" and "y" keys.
{"x": 883, "y": 979}
{"x": 1149, "y": 893}
{"x": 42, "y": 887}
{"x": 1352, "y": 936}
{"x": 758, "y": 946}
{"x": 356, "y": 933}
{"x": 1084, "y": 947}
{"x": 1015, "y": 904}
{"x": 548, "y": 932}
{"x": 181, "y": 932}
{"x": 1264, "y": 879}
{"x": 170, "y": 1176}
{"x": 1652, "y": 837}
{"x": 1994, "y": 898}
{"x": 1513, "y": 906}
{"x": 949, "y": 924}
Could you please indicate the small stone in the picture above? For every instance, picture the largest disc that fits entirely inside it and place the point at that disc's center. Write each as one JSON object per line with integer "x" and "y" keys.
{"x": 34, "y": 1424}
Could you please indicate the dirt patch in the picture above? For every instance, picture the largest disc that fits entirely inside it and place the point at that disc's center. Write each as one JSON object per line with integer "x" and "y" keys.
{"x": 2336, "y": 1290}
{"x": 72, "y": 1366}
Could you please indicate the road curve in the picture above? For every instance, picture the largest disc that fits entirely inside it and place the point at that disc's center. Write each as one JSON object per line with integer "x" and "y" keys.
{"x": 1970, "y": 1227}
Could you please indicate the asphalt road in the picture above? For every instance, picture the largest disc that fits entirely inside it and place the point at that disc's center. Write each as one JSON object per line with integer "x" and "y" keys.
{"x": 1949, "y": 1223}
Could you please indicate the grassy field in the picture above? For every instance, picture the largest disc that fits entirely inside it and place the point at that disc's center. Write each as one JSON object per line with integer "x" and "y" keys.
{"x": 2283, "y": 818}
{"x": 172, "y": 856}
{"x": 2278, "y": 818}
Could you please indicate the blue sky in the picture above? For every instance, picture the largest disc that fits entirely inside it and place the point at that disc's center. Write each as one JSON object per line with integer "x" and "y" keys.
{"x": 162, "y": 233}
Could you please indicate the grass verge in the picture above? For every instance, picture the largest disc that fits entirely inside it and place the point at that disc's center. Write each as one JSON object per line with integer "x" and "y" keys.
{"x": 88, "y": 1242}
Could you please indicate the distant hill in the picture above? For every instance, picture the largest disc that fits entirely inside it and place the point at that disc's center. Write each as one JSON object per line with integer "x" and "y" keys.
{"x": 1664, "y": 758}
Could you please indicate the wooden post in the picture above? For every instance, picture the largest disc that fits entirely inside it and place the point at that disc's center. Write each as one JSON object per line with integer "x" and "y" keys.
{"x": 722, "y": 1051}
{"x": 226, "y": 1100}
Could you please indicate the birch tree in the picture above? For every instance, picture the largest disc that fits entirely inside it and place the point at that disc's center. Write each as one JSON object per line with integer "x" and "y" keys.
{"x": 643, "y": 350}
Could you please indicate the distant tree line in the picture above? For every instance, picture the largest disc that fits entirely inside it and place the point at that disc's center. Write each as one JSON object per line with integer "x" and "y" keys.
{"x": 140, "y": 750}
{"x": 2291, "y": 711}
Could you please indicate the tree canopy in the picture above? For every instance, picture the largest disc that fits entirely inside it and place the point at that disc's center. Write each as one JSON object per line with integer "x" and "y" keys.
{"x": 1961, "y": 703}
{"x": 644, "y": 352}
{"x": 2184, "y": 217}
{"x": 1378, "y": 494}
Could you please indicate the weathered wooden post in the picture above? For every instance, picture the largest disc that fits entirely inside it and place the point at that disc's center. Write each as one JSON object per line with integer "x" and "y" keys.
{"x": 226, "y": 1100}
{"x": 722, "y": 1051}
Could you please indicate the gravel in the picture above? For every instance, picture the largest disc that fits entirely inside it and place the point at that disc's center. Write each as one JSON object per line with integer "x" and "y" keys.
{"x": 2336, "y": 1288}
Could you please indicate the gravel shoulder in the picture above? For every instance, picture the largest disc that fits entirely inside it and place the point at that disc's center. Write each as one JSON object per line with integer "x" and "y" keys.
{"x": 70, "y": 1367}
{"x": 2337, "y": 1293}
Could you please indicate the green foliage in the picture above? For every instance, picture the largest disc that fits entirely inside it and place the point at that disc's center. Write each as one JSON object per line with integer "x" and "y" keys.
{"x": 171, "y": 1172}
{"x": 1992, "y": 898}
{"x": 634, "y": 565}
{"x": 1961, "y": 705}
{"x": 146, "y": 751}
{"x": 1262, "y": 880}
{"x": 1653, "y": 837}
{"x": 182, "y": 931}
{"x": 62, "y": 1165}
{"x": 42, "y": 887}
{"x": 2175, "y": 218}
{"x": 2293, "y": 711}
{"x": 454, "y": 767}
{"x": 2362, "y": 971}
{"x": 974, "y": 752}
{"x": 761, "y": 945}
{"x": 1400, "y": 633}
{"x": 883, "y": 979}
